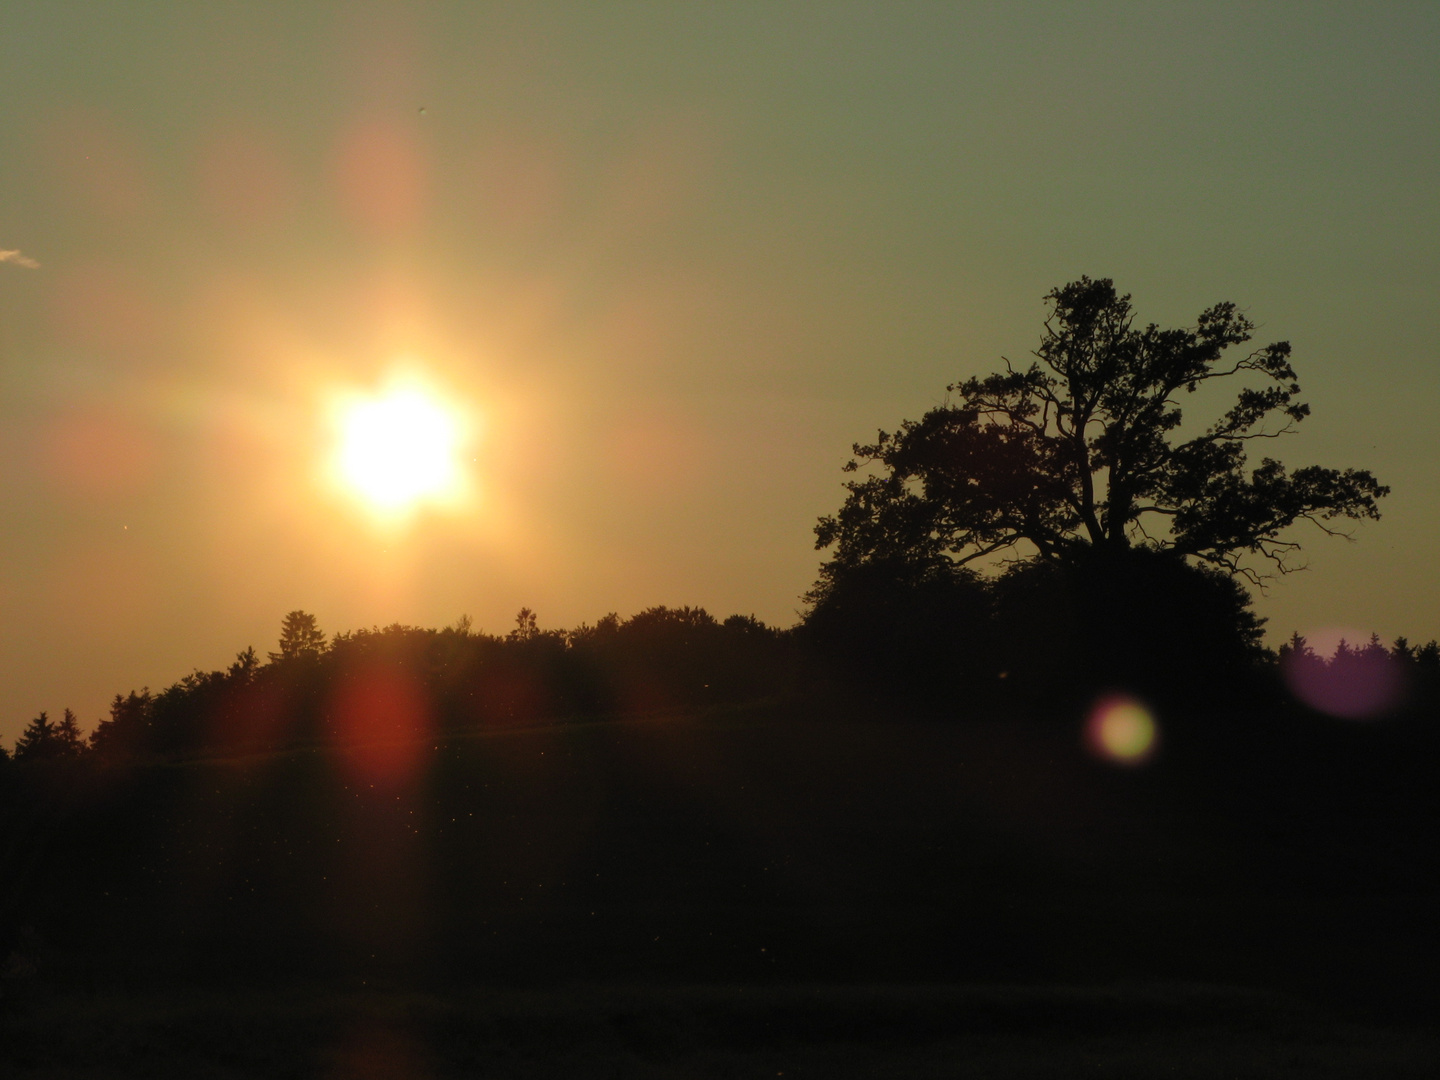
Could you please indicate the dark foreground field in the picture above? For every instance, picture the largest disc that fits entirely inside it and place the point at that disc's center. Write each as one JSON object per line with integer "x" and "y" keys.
{"x": 751, "y": 894}
{"x": 712, "y": 1031}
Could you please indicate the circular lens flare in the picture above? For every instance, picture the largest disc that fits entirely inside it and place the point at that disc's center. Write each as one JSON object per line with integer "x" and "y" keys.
{"x": 399, "y": 449}
{"x": 1352, "y": 682}
{"x": 1121, "y": 730}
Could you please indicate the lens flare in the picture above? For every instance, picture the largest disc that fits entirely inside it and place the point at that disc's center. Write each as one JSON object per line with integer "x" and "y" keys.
{"x": 1121, "y": 730}
{"x": 1346, "y": 681}
{"x": 382, "y": 719}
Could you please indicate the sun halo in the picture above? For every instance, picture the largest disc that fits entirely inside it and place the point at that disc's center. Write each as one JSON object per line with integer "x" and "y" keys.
{"x": 400, "y": 448}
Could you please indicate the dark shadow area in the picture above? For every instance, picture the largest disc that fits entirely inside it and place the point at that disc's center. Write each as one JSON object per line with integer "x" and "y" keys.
{"x": 448, "y": 866}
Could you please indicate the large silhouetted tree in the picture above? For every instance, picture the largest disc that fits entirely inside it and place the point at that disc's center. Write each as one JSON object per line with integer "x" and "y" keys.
{"x": 1084, "y": 450}
{"x": 1124, "y": 535}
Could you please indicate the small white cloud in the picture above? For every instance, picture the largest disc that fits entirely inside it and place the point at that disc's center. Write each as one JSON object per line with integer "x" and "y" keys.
{"x": 19, "y": 258}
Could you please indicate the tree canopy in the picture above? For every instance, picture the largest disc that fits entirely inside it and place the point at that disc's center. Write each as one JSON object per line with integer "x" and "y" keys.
{"x": 44, "y": 738}
{"x": 300, "y": 636}
{"x": 1082, "y": 450}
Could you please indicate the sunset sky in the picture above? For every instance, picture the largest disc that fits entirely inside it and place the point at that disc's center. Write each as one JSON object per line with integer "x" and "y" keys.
{"x": 656, "y": 266}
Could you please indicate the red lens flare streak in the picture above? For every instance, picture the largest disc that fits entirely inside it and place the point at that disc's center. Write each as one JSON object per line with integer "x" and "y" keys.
{"x": 382, "y": 719}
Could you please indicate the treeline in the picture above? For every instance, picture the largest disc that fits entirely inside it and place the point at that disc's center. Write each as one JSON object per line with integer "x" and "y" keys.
{"x": 1420, "y": 659}
{"x": 404, "y": 681}
{"x": 1040, "y": 640}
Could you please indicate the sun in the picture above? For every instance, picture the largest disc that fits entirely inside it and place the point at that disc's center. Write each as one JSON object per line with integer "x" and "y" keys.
{"x": 399, "y": 449}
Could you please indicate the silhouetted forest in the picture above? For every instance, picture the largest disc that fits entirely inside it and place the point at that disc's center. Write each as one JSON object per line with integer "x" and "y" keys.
{"x": 404, "y": 682}
{"x": 903, "y": 794}
{"x": 1040, "y": 640}
{"x": 675, "y": 801}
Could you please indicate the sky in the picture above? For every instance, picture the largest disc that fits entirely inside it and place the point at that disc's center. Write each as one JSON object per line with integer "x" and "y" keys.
{"x": 663, "y": 264}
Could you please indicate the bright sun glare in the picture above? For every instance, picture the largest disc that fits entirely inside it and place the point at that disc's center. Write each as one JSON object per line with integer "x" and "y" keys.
{"x": 399, "y": 449}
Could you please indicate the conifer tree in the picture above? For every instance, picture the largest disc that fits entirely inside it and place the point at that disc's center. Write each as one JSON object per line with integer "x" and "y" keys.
{"x": 69, "y": 739}
{"x": 300, "y": 637}
{"x": 38, "y": 740}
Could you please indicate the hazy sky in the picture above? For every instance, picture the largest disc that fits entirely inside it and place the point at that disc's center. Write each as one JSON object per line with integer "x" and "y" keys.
{"x": 670, "y": 261}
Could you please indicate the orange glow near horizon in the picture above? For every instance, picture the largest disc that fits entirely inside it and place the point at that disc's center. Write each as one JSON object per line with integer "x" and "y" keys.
{"x": 400, "y": 448}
